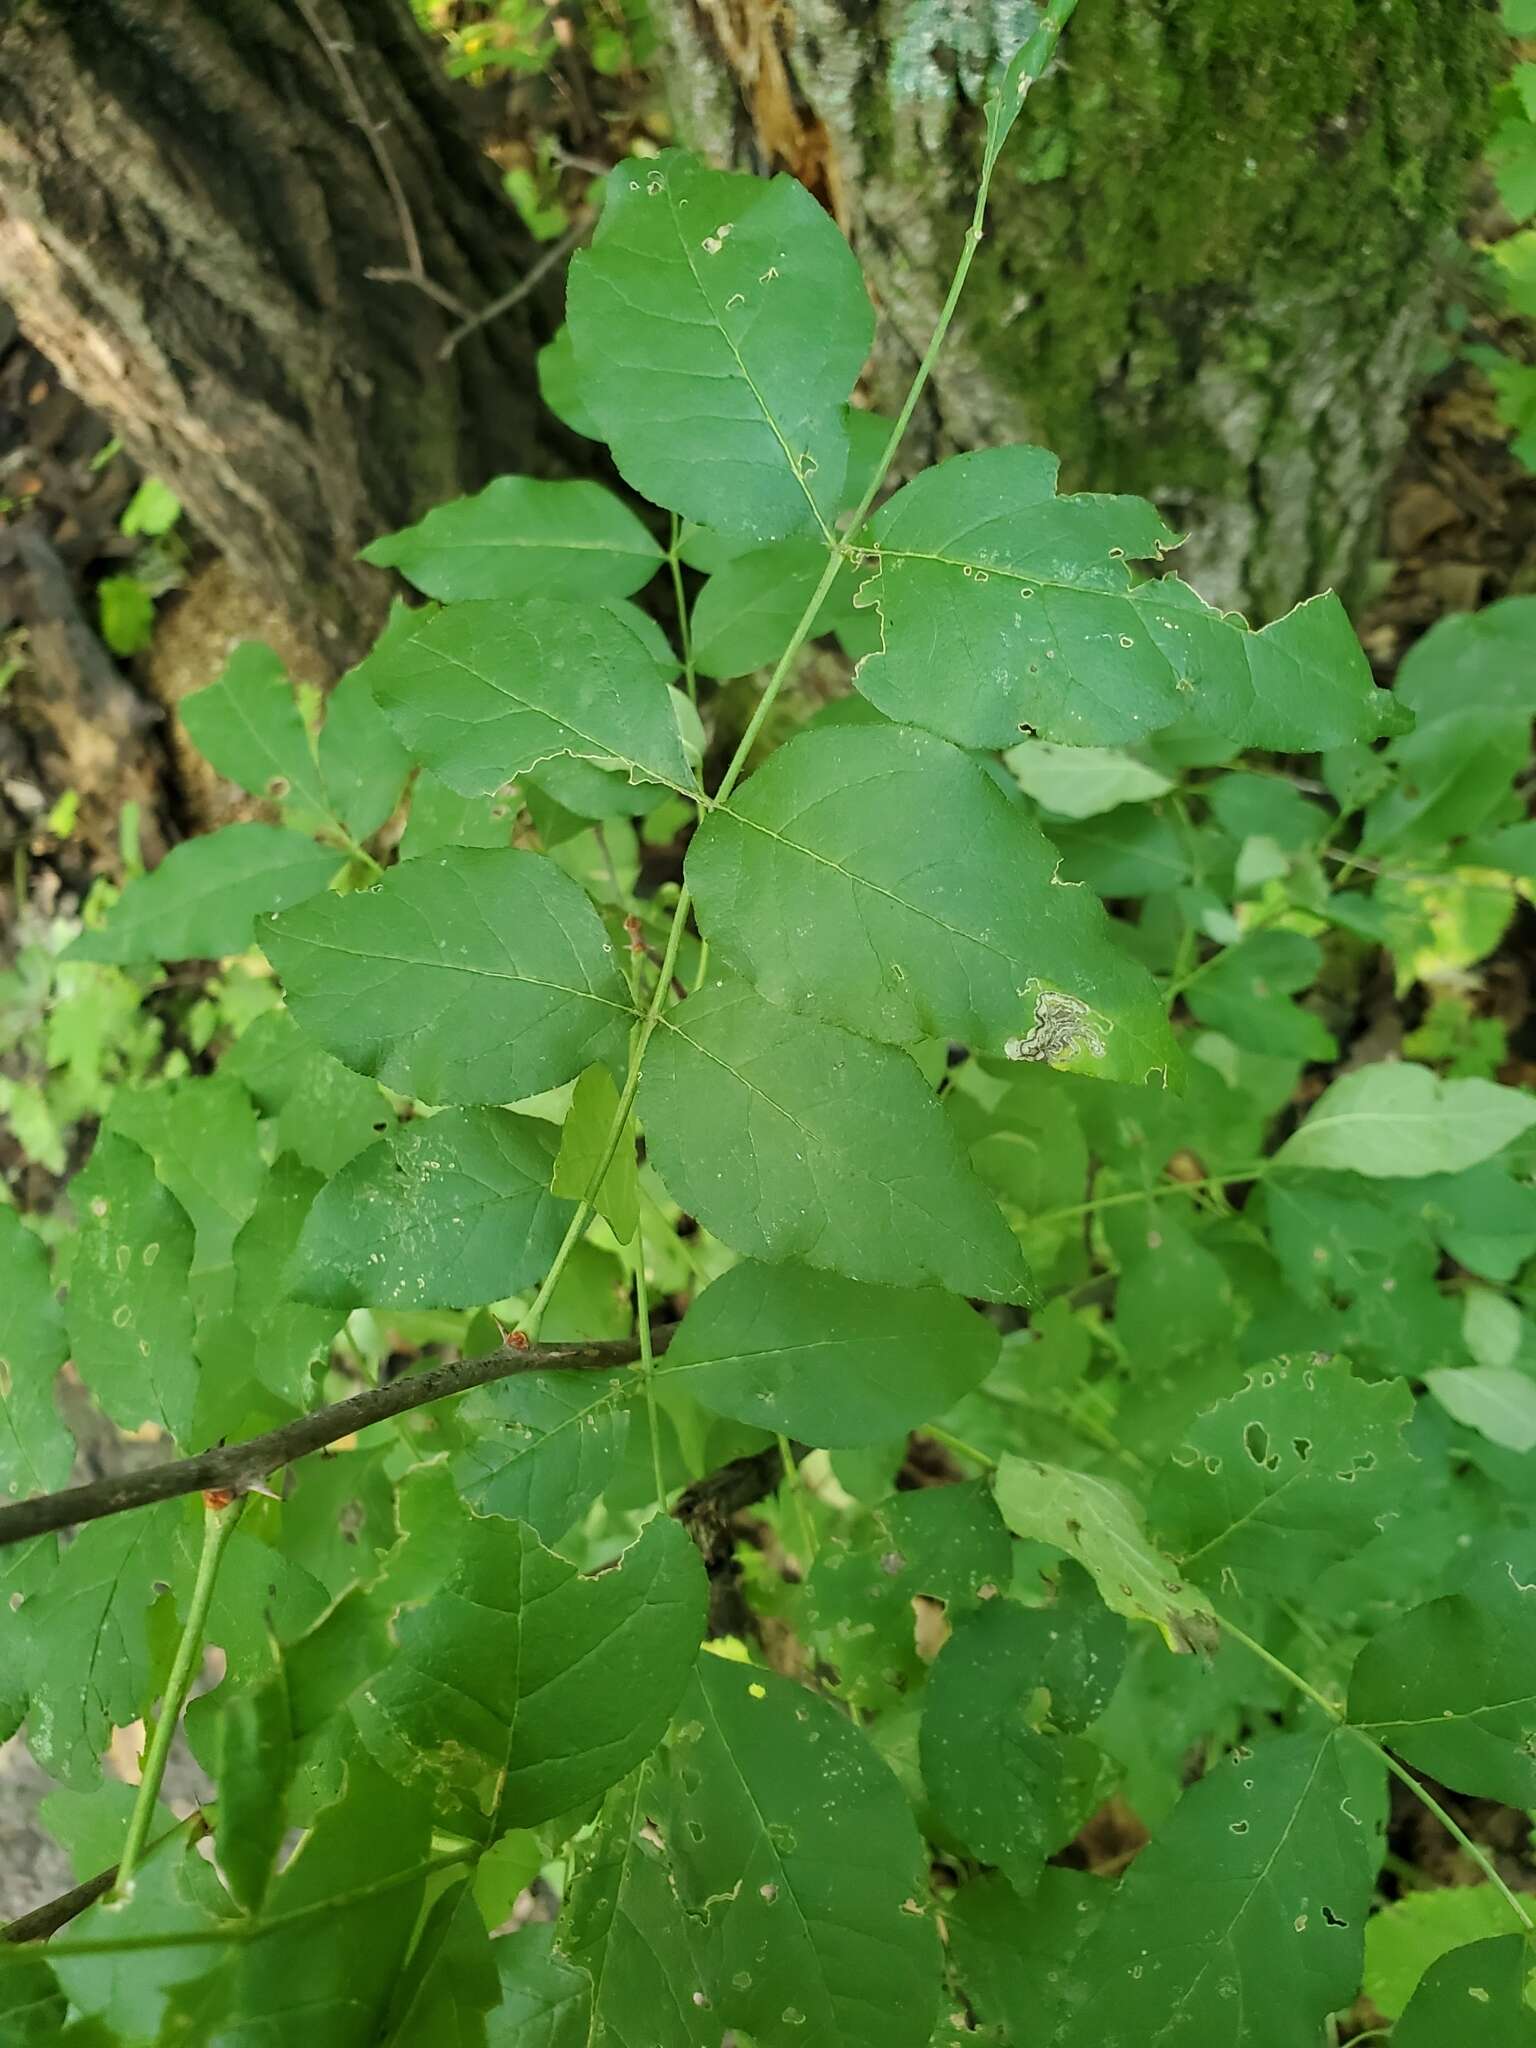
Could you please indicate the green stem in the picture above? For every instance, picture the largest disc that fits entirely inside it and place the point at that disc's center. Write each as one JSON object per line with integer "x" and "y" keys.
{"x": 242, "y": 1931}
{"x": 648, "y": 1362}
{"x": 218, "y": 1527}
{"x": 1171, "y": 1187}
{"x": 529, "y": 1325}
{"x": 1399, "y": 1771}
{"x": 795, "y": 1483}
{"x": 959, "y": 1446}
{"x": 684, "y": 624}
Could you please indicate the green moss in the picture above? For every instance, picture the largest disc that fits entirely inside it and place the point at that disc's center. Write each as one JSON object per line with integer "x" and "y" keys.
{"x": 1236, "y": 180}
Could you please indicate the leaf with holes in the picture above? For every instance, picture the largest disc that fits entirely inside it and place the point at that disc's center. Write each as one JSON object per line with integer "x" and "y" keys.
{"x": 1097, "y": 1522}
{"x": 1302, "y": 1467}
{"x": 688, "y": 316}
{"x": 1242, "y": 1925}
{"x": 810, "y": 1905}
{"x": 1005, "y": 610}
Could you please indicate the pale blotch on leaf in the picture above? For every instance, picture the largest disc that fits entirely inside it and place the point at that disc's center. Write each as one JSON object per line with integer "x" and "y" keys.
{"x": 1064, "y": 1027}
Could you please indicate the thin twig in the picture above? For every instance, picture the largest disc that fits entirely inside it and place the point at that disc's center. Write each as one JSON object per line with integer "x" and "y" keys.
{"x": 237, "y": 1465}
{"x": 56, "y": 1913}
{"x": 530, "y": 281}
{"x": 415, "y": 271}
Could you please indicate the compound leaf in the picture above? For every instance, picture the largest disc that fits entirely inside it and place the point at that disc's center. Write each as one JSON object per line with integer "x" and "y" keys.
{"x": 883, "y": 880}
{"x": 689, "y": 316}
{"x": 792, "y": 1139}
{"x": 473, "y": 976}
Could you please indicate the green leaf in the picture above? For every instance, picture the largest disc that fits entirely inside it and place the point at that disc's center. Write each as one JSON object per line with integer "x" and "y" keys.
{"x": 449, "y": 1211}
{"x": 1302, "y": 1467}
{"x": 1498, "y": 1401}
{"x": 1004, "y": 1689}
{"x": 126, "y": 610}
{"x": 521, "y": 538}
{"x": 1095, "y": 1521}
{"x": 544, "y": 1447}
{"x": 562, "y": 386}
{"x": 1405, "y": 1939}
{"x": 523, "y": 1690}
{"x": 1008, "y": 1954}
{"x": 625, "y": 1928}
{"x": 153, "y": 509}
{"x": 451, "y": 1982}
{"x": 945, "y": 1542}
{"x": 828, "y": 1360}
{"x": 483, "y": 692}
{"x": 749, "y": 607}
{"x": 266, "y": 1337}
{"x": 1082, "y": 782}
{"x": 130, "y": 1321}
{"x": 130, "y": 1990}
{"x": 203, "y": 899}
{"x": 247, "y": 724}
{"x": 1398, "y": 1120}
{"x": 812, "y": 1921}
{"x": 472, "y": 976}
{"x": 362, "y": 763}
{"x": 32, "y": 2007}
{"x": 791, "y": 1139}
{"x": 83, "y": 1640}
{"x": 689, "y": 316}
{"x": 808, "y": 883}
{"x": 202, "y": 1134}
{"x": 321, "y": 1111}
{"x": 36, "y": 1450}
{"x": 1245, "y": 994}
{"x": 329, "y": 1976}
{"x": 979, "y": 552}
{"x": 1474, "y": 1993}
{"x": 584, "y": 1140}
{"x": 1451, "y": 1687}
{"x": 545, "y": 2003}
{"x": 1241, "y": 1926}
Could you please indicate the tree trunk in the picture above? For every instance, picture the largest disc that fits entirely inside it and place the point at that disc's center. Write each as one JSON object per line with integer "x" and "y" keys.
{"x": 197, "y": 201}
{"x": 1215, "y": 250}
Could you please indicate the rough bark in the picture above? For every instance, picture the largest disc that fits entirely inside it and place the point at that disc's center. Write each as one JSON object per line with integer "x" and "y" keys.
{"x": 1216, "y": 248}
{"x": 196, "y": 198}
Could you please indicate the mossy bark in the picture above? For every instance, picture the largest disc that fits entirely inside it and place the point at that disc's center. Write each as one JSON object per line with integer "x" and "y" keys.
{"x": 1216, "y": 250}
{"x": 193, "y": 219}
